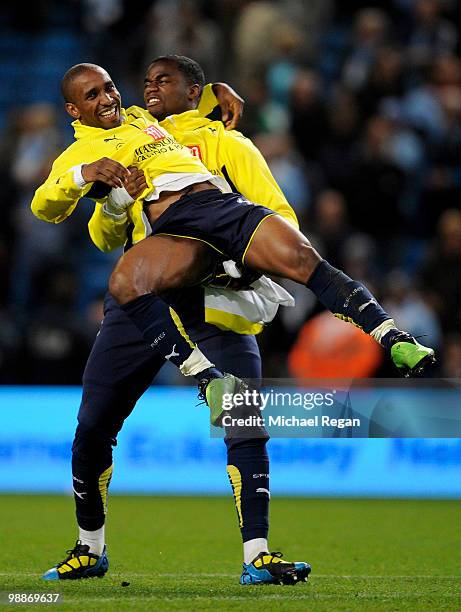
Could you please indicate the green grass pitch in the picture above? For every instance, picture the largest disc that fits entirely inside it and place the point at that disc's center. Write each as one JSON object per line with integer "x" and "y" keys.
{"x": 181, "y": 553}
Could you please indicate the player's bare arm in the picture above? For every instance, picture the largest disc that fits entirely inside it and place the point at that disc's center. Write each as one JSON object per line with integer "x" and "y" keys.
{"x": 231, "y": 104}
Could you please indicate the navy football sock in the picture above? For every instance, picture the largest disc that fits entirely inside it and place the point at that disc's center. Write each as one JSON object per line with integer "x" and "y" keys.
{"x": 91, "y": 459}
{"x": 152, "y": 316}
{"x": 248, "y": 471}
{"x": 345, "y": 298}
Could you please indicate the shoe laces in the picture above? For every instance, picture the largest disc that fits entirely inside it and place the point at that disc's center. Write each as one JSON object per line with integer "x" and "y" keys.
{"x": 407, "y": 337}
{"x": 202, "y": 385}
{"x": 276, "y": 554}
{"x": 78, "y": 549}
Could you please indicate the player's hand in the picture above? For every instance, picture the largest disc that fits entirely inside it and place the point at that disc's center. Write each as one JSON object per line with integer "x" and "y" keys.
{"x": 136, "y": 182}
{"x": 231, "y": 104}
{"x": 107, "y": 171}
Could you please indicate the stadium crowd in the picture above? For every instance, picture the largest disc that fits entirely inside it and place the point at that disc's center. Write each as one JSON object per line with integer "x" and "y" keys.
{"x": 357, "y": 108}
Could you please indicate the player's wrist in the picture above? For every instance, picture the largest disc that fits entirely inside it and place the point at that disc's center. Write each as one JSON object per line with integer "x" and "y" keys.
{"x": 78, "y": 177}
{"x": 117, "y": 203}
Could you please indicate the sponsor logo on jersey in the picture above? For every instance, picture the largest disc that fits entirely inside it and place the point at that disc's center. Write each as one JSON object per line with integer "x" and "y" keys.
{"x": 154, "y": 132}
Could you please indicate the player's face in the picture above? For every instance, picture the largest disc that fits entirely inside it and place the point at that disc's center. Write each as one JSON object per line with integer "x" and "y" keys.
{"x": 96, "y": 101}
{"x": 166, "y": 91}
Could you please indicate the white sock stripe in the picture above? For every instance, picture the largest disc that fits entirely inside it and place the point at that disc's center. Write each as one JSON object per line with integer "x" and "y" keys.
{"x": 195, "y": 363}
{"x": 378, "y": 332}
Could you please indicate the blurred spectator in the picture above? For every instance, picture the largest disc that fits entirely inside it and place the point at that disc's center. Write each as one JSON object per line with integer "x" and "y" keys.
{"x": 369, "y": 34}
{"x": 339, "y": 151}
{"x": 409, "y": 310}
{"x": 262, "y": 114}
{"x": 422, "y": 107}
{"x": 360, "y": 256}
{"x": 431, "y": 34}
{"x": 282, "y": 70}
{"x": 256, "y": 39}
{"x": 386, "y": 79}
{"x": 181, "y": 27}
{"x": 33, "y": 142}
{"x": 451, "y": 361}
{"x": 307, "y": 109}
{"x": 330, "y": 225}
{"x": 254, "y": 32}
{"x": 376, "y": 182}
{"x": 443, "y": 184}
{"x": 287, "y": 167}
{"x": 327, "y": 348}
{"x": 106, "y": 24}
{"x": 55, "y": 349}
{"x": 441, "y": 274}
{"x": 312, "y": 18}
{"x": 10, "y": 343}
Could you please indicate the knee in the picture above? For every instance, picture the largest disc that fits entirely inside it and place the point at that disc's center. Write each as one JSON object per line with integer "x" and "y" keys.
{"x": 132, "y": 278}
{"x": 304, "y": 261}
{"x": 91, "y": 443}
{"x": 121, "y": 286}
{"x": 126, "y": 285}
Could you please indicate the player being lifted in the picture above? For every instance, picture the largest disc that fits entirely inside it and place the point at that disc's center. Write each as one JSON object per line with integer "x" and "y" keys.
{"x": 190, "y": 217}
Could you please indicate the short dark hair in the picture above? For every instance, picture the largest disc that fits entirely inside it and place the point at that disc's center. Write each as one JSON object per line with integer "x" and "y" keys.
{"x": 192, "y": 71}
{"x": 71, "y": 75}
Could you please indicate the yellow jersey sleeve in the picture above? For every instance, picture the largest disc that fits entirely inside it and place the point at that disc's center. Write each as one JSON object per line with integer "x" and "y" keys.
{"x": 57, "y": 198}
{"x": 250, "y": 175}
{"x": 106, "y": 231}
{"x": 208, "y": 101}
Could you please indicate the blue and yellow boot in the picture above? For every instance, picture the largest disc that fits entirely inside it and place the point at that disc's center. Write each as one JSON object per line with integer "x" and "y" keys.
{"x": 269, "y": 568}
{"x": 213, "y": 390}
{"x": 80, "y": 563}
{"x": 409, "y": 356}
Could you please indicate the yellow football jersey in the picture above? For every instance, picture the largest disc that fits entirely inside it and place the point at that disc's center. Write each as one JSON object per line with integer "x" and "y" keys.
{"x": 187, "y": 143}
{"x": 139, "y": 141}
{"x": 226, "y": 154}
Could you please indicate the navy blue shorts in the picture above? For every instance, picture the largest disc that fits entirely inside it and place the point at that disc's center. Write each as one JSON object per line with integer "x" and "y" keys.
{"x": 225, "y": 221}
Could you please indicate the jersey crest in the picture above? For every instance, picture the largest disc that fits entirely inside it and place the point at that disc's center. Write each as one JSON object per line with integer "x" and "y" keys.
{"x": 195, "y": 150}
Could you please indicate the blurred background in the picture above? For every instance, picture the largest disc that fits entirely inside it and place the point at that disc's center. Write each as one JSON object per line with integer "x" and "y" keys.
{"x": 356, "y": 107}
{"x": 357, "y": 110}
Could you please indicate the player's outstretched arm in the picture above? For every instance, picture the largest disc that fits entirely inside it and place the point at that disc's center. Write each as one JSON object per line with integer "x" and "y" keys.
{"x": 222, "y": 94}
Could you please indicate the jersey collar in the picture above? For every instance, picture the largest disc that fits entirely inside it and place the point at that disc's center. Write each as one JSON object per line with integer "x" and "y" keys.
{"x": 189, "y": 120}
{"x": 85, "y": 131}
